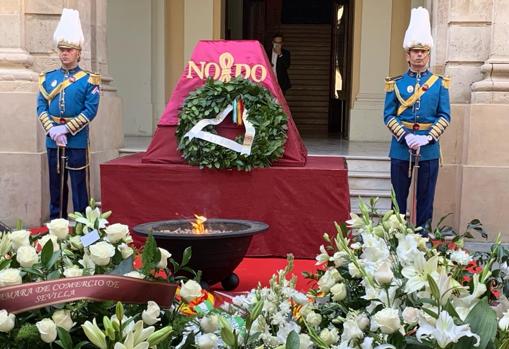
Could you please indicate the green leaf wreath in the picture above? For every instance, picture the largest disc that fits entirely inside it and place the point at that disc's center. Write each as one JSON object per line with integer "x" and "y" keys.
{"x": 266, "y": 115}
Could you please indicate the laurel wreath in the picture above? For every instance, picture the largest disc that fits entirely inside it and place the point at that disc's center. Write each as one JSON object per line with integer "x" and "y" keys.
{"x": 265, "y": 113}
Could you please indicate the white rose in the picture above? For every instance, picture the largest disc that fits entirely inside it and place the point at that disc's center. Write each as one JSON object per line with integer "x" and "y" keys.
{"x": 73, "y": 271}
{"x": 47, "y": 330}
{"x": 314, "y": 319}
{"x": 329, "y": 336}
{"x": 10, "y": 277}
{"x": 206, "y": 341}
{"x": 101, "y": 253}
{"x": 62, "y": 318}
{"x": 410, "y": 315}
{"x": 305, "y": 341}
{"x": 362, "y": 321}
{"x": 387, "y": 320}
{"x": 340, "y": 258}
{"x": 54, "y": 241}
{"x": 209, "y": 323}
{"x": 6, "y": 321}
{"x": 460, "y": 257}
{"x": 329, "y": 279}
{"x": 151, "y": 315}
{"x": 116, "y": 232}
{"x": 27, "y": 256}
{"x": 135, "y": 274}
{"x": 59, "y": 227}
{"x": 19, "y": 238}
{"x": 190, "y": 290}
{"x": 338, "y": 292}
{"x": 384, "y": 274}
{"x": 125, "y": 250}
{"x": 163, "y": 263}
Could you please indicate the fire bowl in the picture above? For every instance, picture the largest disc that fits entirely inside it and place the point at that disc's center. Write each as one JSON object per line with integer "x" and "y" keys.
{"x": 216, "y": 253}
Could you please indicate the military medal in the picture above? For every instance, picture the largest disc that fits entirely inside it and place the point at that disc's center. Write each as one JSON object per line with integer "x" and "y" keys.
{"x": 425, "y": 87}
{"x": 53, "y": 83}
{"x": 410, "y": 89}
{"x": 72, "y": 79}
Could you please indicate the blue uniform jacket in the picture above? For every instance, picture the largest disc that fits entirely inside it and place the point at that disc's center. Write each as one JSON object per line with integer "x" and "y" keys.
{"x": 70, "y": 98}
{"x": 420, "y": 105}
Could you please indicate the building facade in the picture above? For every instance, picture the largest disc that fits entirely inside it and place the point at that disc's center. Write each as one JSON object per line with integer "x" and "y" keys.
{"x": 141, "y": 47}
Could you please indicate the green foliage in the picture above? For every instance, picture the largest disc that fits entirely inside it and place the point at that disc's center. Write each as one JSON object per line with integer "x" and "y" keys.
{"x": 151, "y": 255}
{"x": 293, "y": 341}
{"x": 483, "y": 321}
{"x": 28, "y": 337}
{"x": 266, "y": 115}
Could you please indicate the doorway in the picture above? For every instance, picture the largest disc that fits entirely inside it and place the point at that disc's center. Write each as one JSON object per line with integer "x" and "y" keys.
{"x": 318, "y": 34}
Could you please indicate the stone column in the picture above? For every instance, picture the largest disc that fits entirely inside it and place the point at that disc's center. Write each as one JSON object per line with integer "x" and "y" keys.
{"x": 26, "y": 48}
{"x": 494, "y": 88}
{"x": 471, "y": 41}
{"x": 485, "y": 170}
{"x": 22, "y": 160}
{"x": 366, "y": 115}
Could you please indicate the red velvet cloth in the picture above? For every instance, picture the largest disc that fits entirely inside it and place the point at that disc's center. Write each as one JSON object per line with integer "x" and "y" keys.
{"x": 248, "y": 54}
{"x": 298, "y": 203}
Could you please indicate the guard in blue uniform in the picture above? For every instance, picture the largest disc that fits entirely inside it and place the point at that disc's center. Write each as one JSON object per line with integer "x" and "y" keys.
{"x": 68, "y": 101}
{"x": 417, "y": 112}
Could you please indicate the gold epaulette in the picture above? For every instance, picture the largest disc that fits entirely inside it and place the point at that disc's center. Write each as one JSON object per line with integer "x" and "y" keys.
{"x": 94, "y": 78}
{"x": 390, "y": 81}
{"x": 42, "y": 76}
{"x": 446, "y": 81}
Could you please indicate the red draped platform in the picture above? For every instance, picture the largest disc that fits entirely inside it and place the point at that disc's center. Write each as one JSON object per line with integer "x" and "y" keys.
{"x": 298, "y": 203}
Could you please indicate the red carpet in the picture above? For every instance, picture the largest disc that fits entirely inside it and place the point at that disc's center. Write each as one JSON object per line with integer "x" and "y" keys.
{"x": 254, "y": 270}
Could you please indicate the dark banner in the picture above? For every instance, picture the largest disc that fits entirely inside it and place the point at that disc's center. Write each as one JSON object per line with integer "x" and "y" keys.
{"x": 20, "y": 298}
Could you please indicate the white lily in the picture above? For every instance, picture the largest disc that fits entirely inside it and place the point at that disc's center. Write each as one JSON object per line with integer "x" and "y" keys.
{"x": 91, "y": 215}
{"x": 417, "y": 274}
{"x": 323, "y": 257}
{"x": 444, "y": 331}
{"x": 137, "y": 338}
{"x": 446, "y": 285}
{"x": 355, "y": 222}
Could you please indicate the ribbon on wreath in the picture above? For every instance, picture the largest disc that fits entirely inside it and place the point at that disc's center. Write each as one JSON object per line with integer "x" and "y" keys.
{"x": 240, "y": 115}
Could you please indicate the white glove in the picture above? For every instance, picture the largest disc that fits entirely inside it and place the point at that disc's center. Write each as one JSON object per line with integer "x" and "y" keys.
{"x": 421, "y": 140}
{"x": 411, "y": 141}
{"x": 61, "y": 140}
{"x": 57, "y": 131}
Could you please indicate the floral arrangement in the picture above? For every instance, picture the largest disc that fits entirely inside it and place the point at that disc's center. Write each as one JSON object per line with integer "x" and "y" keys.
{"x": 379, "y": 284}
{"x": 60, "y": 254}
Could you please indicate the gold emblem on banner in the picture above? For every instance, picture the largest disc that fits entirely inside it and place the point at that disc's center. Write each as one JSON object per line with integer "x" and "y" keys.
{"x": 223, "y": 70}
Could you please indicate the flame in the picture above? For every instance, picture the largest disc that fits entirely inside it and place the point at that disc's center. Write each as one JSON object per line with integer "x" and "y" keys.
{"x": 198, "y": 226}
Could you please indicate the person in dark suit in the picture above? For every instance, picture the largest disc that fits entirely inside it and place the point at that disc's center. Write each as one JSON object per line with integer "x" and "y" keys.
{"x": 280, "y": 61}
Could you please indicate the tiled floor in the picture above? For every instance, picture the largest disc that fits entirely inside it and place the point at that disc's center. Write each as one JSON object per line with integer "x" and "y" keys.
{"x": 315, "y": 145}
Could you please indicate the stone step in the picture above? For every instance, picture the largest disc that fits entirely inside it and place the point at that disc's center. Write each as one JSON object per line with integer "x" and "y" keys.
{"x": 129, "y": 151}
{"x": 383, "y": 203}
{"x": 368, "y": 164}
{"x": 360, "y": 180}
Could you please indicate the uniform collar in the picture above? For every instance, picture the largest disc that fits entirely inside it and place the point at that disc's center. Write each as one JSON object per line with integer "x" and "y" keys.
{"x": 414, "y": 74}
{"x": 70, "y": 71}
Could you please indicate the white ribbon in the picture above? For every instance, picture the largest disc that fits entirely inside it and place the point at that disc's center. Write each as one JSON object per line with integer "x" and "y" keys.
{"x": 244, "y": 148}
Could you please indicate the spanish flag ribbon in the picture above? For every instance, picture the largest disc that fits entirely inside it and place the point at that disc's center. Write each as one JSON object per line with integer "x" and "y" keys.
{"x": 240, "y": 110}
{"x": 234, "y": 113}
